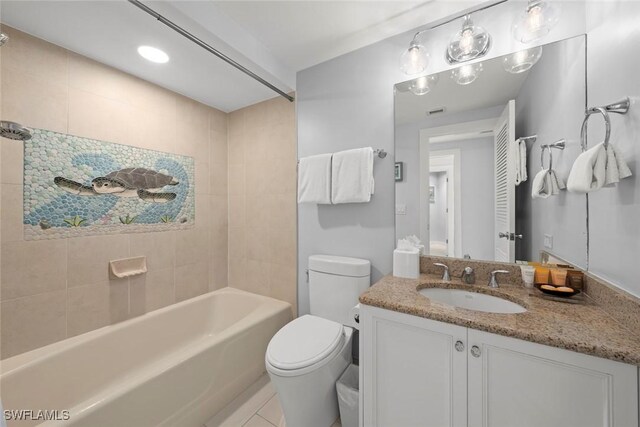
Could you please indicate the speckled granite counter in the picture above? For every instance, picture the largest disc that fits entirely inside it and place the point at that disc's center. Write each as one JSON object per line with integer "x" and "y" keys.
{"x": 584, "y": 328}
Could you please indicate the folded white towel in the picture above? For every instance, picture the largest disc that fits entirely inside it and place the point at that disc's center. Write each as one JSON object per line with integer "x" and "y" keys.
{"x": 520, "y": 159}
{"x": 546, "y": 183}
{"x": 588, "y": 172}
{"x": 314, "y": 179}
{"x": 617, "y": 169}
{"x": 352, "y": 176}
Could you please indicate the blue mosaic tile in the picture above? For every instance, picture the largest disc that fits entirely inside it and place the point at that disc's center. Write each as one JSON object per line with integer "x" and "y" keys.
{"x": 77, "y": 186}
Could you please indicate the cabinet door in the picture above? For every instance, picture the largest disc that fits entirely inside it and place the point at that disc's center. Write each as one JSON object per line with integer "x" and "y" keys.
{"x": 413, "y": 376}
{"x": 514, "y": 383}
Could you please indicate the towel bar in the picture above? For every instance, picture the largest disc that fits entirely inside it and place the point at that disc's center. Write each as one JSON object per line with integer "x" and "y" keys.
{"x": 620, "y": 107}
{"x": 559, "y": 145}
{"x": 378, "y": 152}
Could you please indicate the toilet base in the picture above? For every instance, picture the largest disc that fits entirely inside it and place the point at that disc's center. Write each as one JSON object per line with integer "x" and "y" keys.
{"x": 310, "y": 399}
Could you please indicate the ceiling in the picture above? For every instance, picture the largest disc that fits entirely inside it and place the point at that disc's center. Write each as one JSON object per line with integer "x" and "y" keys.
{"x": 493, "y": 87}
{"x": 274, "y": 39}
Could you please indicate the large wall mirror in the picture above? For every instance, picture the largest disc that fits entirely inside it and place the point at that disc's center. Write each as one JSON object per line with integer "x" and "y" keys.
{"x": 469, "y": 143}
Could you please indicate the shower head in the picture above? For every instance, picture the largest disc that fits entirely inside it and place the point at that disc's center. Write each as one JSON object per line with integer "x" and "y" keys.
{"x": 15, "y": 131}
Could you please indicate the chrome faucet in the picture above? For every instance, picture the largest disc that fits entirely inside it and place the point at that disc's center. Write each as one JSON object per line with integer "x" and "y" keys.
{"x": 493, "y": 282}
{"x": 468, "y": 276}
{"x": 445, "y": 274}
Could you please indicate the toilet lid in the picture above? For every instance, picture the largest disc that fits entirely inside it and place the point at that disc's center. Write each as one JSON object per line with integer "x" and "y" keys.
{"x": 303, "y": 342}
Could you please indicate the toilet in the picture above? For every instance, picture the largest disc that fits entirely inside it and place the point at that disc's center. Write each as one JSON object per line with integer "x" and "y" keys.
{"x": 306, "y": 357}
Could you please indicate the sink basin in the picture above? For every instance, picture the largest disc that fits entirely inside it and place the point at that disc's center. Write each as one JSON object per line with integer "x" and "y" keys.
{"x": 472, "y": 300}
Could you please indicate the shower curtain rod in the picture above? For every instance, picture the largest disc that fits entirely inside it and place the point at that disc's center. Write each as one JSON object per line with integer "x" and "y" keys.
{"x": 175, "y": 27}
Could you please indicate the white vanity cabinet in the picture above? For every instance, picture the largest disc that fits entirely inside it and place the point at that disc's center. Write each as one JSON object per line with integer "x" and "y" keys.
{"x": 412, "y": 374}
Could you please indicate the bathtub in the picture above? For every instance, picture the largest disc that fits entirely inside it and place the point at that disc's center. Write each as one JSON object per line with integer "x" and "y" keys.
{"x": 176, "y": 366}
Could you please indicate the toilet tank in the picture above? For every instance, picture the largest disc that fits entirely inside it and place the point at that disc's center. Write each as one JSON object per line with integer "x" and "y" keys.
{"x": 335, "y": 283}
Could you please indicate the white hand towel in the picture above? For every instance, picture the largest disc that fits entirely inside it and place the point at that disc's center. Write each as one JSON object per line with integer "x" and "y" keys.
{"x": 314, "y": 179}
{"x": 523, "y": 161}
{"x": 520, "y": 159}
{"x": 588, "y": 172}
{"x": 352, "y": 176}
{"x": 546, "y": 183}
{"x": 617, "y": 169}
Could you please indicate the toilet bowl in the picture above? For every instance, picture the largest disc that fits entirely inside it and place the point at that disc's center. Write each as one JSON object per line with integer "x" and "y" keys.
{"x": 304, "y": 360}
{"x": 306, "y": 357}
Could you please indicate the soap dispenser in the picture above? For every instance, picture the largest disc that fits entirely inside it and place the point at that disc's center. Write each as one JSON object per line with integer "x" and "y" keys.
{"x": 469, "y": 276}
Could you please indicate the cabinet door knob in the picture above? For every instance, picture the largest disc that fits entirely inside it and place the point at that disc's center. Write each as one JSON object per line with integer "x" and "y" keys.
{"x": 459, "y": 345}
{"x": 475, "y": 351}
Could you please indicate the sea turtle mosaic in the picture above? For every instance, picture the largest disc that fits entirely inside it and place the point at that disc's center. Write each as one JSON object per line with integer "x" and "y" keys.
{"x": 146, "y": 184}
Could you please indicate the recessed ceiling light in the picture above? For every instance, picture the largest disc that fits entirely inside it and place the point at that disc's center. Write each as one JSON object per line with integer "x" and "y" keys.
{"x": 153, "y": 54}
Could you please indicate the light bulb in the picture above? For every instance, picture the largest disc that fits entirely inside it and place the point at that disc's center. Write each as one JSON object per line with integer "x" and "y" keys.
{"x": 415, "y": 59}
{"x": 522, "y": 61}
{"x": 466, "y": 74}
{"x": 466, "y": 41}
{"x": 536, "y": 21}
{"x": 423, "y": 85}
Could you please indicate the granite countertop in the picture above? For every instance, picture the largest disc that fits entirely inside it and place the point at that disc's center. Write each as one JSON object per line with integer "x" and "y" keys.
{"x": 584, "y": 328}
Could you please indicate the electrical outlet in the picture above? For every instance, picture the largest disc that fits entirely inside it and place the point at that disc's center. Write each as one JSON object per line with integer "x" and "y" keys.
{"x": 401, "y": 209}
{"x": 548, "y": 241}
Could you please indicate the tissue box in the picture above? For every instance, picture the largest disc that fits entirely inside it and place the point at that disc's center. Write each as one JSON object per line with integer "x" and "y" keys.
{"x": 406, "y": 263}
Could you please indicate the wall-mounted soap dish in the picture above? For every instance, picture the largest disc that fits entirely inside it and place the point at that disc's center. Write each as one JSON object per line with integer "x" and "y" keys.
{"x": 123, "y": 268}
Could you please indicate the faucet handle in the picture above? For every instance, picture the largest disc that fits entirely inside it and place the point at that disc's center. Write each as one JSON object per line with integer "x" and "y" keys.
{"x": 493, "y": 282}
{"x": 445, "y": 274}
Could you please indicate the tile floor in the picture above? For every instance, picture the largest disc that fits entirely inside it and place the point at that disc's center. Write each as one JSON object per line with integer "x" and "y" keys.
{"x": 257, "y": 406}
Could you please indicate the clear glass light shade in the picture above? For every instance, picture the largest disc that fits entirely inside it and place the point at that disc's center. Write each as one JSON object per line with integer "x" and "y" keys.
{"x": 466, "y": 74}
{"x": 522, "y": 61}
{"x": 536, "y": 21}
{"x": 469, "y": 43}
{"x": 423, "y": 85}
{"x": 414, "y": 60}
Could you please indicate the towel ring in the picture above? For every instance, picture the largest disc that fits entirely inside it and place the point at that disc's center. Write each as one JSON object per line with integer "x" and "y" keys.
{"x": 542, "y": 148}
{"x": 607, "y": 123}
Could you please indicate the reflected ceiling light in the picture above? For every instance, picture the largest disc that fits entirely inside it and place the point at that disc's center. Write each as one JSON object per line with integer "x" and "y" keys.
{"x": 466, "y": 74}
{"x": 519, "y": 62}
{"x": 469, "y": 43}
{"x": 536, "y": 21}
{"x": 153, "y": 54}
{"x": 415, "y": 59}
{"x": 423, "y": 85}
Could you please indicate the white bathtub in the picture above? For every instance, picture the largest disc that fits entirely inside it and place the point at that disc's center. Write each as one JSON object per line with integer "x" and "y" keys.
{"x": 176, "y": 366}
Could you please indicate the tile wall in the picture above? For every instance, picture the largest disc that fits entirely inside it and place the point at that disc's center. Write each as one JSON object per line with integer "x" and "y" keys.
{"x": 55, "y": 289}
{"x": 262, "y": 199}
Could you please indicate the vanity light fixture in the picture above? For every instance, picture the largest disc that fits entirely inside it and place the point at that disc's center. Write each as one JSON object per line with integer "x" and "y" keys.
{"x": 469, "y": 43}
{"x": 466, "y": 74}
{"x": 519, "y": 62}
{"x": 536, "y": 21}
{"x": 415, "y": 59}
{"x": 153, "y": 54}
{"x": 423, "y": 85}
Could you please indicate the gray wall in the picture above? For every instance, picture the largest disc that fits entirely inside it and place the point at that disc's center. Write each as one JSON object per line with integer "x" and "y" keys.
{"x": 551, "y": 104}
{"x": 614, "y": 213}
{"x": 348, "y": 102}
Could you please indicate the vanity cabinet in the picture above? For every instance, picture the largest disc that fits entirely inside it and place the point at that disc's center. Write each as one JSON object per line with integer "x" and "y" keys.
{"x": 420, "y": 372}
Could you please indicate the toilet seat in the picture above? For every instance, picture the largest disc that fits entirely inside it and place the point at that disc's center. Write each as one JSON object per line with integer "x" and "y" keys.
{"x": 304, "y": 344}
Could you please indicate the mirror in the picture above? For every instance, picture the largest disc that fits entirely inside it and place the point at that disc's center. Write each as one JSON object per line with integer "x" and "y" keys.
{"x": 463, "y": 184}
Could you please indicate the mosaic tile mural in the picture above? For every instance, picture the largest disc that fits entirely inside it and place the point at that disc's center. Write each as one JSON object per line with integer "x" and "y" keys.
{"x": 77, "y": 186}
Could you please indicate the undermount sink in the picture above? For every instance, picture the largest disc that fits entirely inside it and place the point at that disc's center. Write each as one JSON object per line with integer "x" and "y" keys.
{"x": 472, "y": 300}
